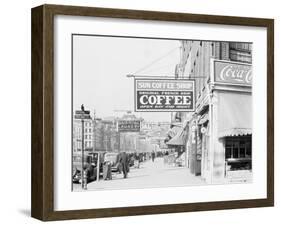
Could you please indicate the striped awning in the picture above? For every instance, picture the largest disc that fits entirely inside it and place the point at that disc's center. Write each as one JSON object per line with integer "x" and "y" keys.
{"x": 235, "y": 132}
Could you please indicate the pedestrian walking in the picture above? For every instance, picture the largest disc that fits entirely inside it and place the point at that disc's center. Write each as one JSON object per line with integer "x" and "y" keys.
{"x": 107, "y": 171}
{"x": 124, "y": 161}
{"x": 153, "y": 156}
{"x": 137, "y": 160}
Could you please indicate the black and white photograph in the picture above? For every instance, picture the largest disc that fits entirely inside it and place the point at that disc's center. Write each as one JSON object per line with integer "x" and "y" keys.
{"x": 153, "y": 113}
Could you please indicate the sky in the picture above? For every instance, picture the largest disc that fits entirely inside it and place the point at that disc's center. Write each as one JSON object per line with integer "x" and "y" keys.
{"x": 100, "y": 66}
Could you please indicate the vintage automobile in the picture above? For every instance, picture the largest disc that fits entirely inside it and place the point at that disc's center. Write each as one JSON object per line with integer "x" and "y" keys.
{"x": 113, "y": 158}
{"x": 90, "y": 171}
{"x": 90, "y": 166}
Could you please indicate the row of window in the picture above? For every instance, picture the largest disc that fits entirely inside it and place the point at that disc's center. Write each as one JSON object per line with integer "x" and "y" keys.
{"x": 88, "y": 136}
{"x": 240, "y": 52}
{"x": 86, "y": 130}
{"x": 85, "y": 136}
{"x": 87, "y": 124}
{"x": 237, "y": 52}
{"x": 87, "y": 144}
{"x": 241, "y": 46}
{"x": 240, "y": 56}
{"x": 238, "y": 147}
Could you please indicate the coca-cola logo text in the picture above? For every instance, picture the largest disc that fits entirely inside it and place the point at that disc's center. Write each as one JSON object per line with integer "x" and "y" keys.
{"x": 234, "y": 73}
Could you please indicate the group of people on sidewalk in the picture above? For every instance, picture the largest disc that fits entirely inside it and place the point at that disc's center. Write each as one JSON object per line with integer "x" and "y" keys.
{"x": 124, "y": 162}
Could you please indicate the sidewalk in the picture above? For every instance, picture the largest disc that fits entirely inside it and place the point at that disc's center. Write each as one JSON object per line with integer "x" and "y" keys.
{"x": 149, "y": 175}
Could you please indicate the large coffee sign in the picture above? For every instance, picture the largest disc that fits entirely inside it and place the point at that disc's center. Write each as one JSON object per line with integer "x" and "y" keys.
{"x": 232, "y": 73}
{"x": 128, "y": 125}
{"x": 164, "y": 95}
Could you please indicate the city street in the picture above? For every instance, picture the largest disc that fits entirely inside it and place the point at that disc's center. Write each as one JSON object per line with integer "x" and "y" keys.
{"x": 150, "y": 174}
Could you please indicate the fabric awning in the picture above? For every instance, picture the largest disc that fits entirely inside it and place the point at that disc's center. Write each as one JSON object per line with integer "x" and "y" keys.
{"x": 174, "y": 130}
{"x": 204, "y": 118}
{"x": 177, "y": 133}
{"x": 234, "y": 114}
{"x": 235, "y": 132}
{"x": 179, "y": 138}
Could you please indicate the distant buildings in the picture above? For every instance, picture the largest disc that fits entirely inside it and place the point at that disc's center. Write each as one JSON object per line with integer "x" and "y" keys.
{"x": 102, "y": 135}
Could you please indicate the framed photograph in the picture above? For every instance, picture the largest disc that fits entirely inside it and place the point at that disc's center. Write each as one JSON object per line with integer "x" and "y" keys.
{"x": 141, "y": 112}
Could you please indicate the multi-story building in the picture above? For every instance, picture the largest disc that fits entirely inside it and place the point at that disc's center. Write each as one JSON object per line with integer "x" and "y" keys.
{"x": 110, "y": 140}
{"x": 220, "y": 130}
{"x": 88, "y": 133}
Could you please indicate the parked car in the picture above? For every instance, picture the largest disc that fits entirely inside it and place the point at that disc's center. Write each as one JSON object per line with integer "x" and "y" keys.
{"x": 94, "y": 160}
{"x": 113, "y": 158}
{"x": 89, "y": 170}
{"x": 131, "y": 159}
{"x": 90, "y": 166}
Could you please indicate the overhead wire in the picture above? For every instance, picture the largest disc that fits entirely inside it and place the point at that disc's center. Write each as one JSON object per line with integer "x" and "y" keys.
{"x": 157, "y": 68}
{"x": 156, "y": 60}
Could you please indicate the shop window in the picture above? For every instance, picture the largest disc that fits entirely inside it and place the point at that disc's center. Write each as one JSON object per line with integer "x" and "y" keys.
{"x": 248, "y": 149}
{"x": 228, "y": 150}
{"x": 238, "y": 152}
{"x": 235, "y": 149}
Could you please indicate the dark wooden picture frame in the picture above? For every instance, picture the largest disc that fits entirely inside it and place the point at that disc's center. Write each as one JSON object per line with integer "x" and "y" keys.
{"x": 42, "y": 203}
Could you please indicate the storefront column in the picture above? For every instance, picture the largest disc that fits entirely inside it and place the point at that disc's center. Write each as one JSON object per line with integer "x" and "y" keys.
{"x": 209, "y": 161}
{"x": 193, "y": 148}
{"x": 217, "y": 152}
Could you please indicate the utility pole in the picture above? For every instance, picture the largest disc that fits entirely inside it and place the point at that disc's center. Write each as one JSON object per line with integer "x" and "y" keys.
{"x": 94, "y": 130}
{"x": 83, "y": 176}
{"x": 84, "y": 116}
{"x": 94, "y": 147}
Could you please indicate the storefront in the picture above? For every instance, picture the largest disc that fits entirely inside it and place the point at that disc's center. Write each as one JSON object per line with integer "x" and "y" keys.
{"x": 220, "y": 132}
{"x": 176, "y": 141}
{"x": 197, "y": 144}
{"x": 235, "y": 132}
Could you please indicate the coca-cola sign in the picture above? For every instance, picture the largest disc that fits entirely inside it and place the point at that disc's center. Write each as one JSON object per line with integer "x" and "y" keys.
{"x": 233, "y": 73}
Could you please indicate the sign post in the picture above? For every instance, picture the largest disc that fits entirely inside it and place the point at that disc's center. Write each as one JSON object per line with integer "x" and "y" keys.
{"x": 83, "y": 115}
{"x": 83, "y": 177}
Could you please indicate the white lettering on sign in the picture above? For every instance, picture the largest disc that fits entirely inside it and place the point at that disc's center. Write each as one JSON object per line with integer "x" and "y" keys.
{"x": 173, "y": 85}
{"x": 168, "y": 95}
{"x": 157, "y": 99}
{"x": 233, "y": 73}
